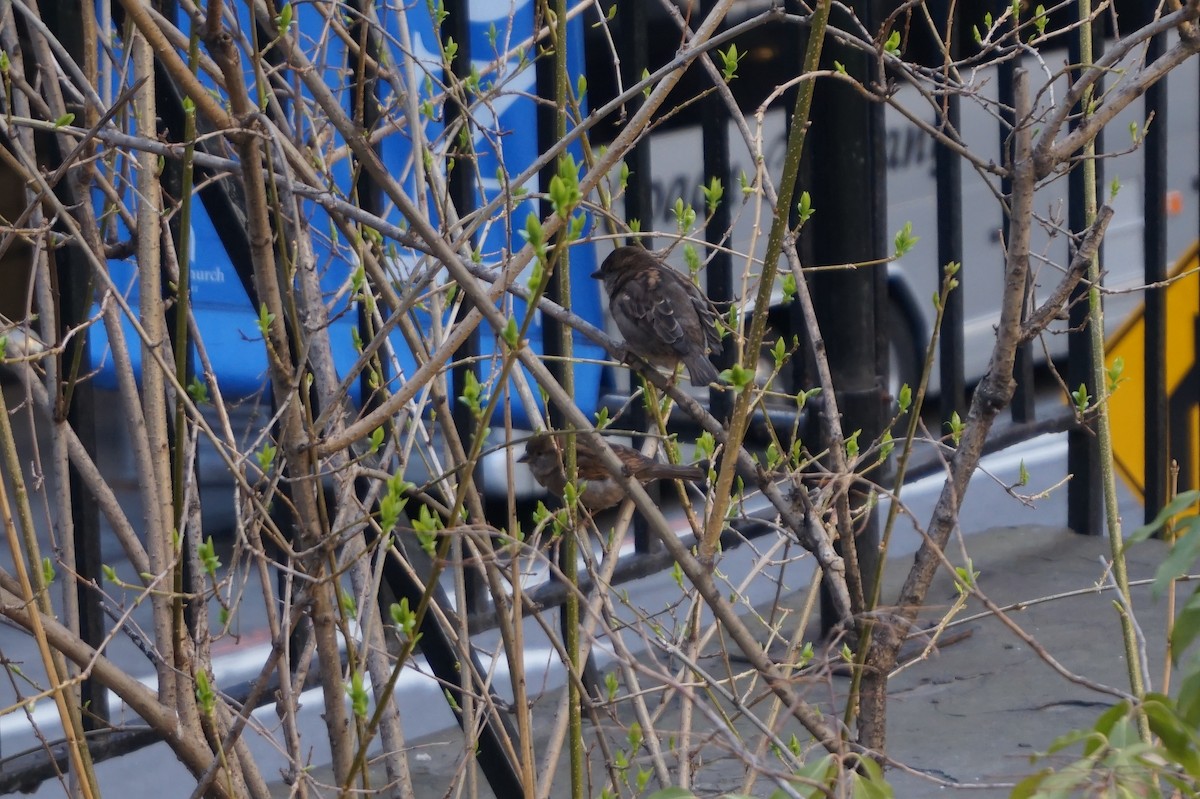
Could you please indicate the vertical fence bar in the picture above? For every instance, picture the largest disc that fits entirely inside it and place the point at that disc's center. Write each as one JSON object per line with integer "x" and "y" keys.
{"x": 1085, "y": 512}
{"x": 950, "y": 249}
{"x": 74, "y": 278}
{"x": 85, "y": 513}
{"x": 948, "y": 171}
{"x": 801, "y": 368}
{"x": 847, "y": 139}
{"x": 460, "y": 183}
{"x": 714, "y": 128}
{"x": 1154, "y": 253}
{"x": 634, "y": 37}
{"x": 365, "y": 108}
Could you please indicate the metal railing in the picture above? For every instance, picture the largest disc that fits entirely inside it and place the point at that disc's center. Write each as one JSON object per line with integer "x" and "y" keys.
{"x": 844, "y": 124}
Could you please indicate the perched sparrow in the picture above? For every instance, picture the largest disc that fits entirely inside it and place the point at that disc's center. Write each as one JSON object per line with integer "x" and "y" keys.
{"x": 663, "y": 316}
{"x": 600, "y": 490}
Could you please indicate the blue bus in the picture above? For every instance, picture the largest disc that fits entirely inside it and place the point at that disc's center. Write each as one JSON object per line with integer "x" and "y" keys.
{"x": 503, "y": 143}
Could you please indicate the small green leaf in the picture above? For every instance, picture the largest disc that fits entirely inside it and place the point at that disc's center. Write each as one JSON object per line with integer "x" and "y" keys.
{"x": 472, "y": 395}
{"x": 803, "y": 397}
{"x": 537, "y": 275}
{"x": 64, "y": 120}
{"x": 265, "y": 320}
{"x": 789, "y": 288}
{"x": 685, "y": 215}
{"x": 779, "y": 353}
{"x": 804, "y": 209}
{"x": 1081, "y": 397}
{"x": 886, "y": 445}
{"x": 852, "y": 444}
{"x": 744, "y": 182}
{"x": 376, "y": 439}
{"x": 956, "y": 426}
{"x": 773, "y": 455}
{"x": 208, "y": 557}
{"x": 1040, "y": 18}
{"x": 403, "y": 617}
{"x": 205, "y": 695}
{"x": 266, "y": 457}
{"x": 347, "y": 602}
{"x": 359, "y": 700}
{"x": 634, "y": 735}
{"x": 426, "y": 526}
{"x": 712, "y": 194}
{"x": 905, "y": 398}
{"x": 965, "y": 577}
{"x": 533, "y": 232}
{"x": 611, "y": 685}
{"x": 47, "y": 571}
{"x": 730, "y": 59}
{"x": 738, "y": 376}
{"x": 198, "y": 391}
{"x": 564, "y": 186}
{"x": 393, "y": 502}
{"x": 892, "y": 45}
{"x": 283, "y": 22}
{"x": 512, "y": 335}
{"x": 905, "y": 240}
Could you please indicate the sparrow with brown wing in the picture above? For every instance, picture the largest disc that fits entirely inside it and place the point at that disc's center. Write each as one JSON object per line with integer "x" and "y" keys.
{"x": 600, "y": 490}
{"x": 664, "y": 317}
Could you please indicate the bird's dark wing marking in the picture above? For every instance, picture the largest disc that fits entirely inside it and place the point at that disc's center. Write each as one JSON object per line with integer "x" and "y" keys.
{"x": 706, "y": 312}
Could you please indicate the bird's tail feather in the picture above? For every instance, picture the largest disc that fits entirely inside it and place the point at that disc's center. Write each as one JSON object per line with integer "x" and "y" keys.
{"x": 701, "y": 370}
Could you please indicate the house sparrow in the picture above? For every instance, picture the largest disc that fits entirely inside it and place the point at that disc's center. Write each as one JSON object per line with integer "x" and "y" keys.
{"x": 663, "y": 316}
{"x": 600, "y": 490}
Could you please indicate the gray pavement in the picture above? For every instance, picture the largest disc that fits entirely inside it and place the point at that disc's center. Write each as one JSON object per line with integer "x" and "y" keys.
{"x": 970, "y": 713}
{"x": 977, "y": 710}
{"x": 965, "y": 718}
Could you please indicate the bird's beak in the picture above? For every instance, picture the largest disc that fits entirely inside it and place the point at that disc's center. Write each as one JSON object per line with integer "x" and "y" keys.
{"x": 524, "y": 457}
{"x": 596, "y": 275}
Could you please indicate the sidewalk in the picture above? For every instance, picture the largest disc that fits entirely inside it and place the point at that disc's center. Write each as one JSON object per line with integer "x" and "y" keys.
{"x": 973, "y": 713}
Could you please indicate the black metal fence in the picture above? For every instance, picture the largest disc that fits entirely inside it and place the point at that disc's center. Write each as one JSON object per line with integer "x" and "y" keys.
{"x": 847, "y": 175}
